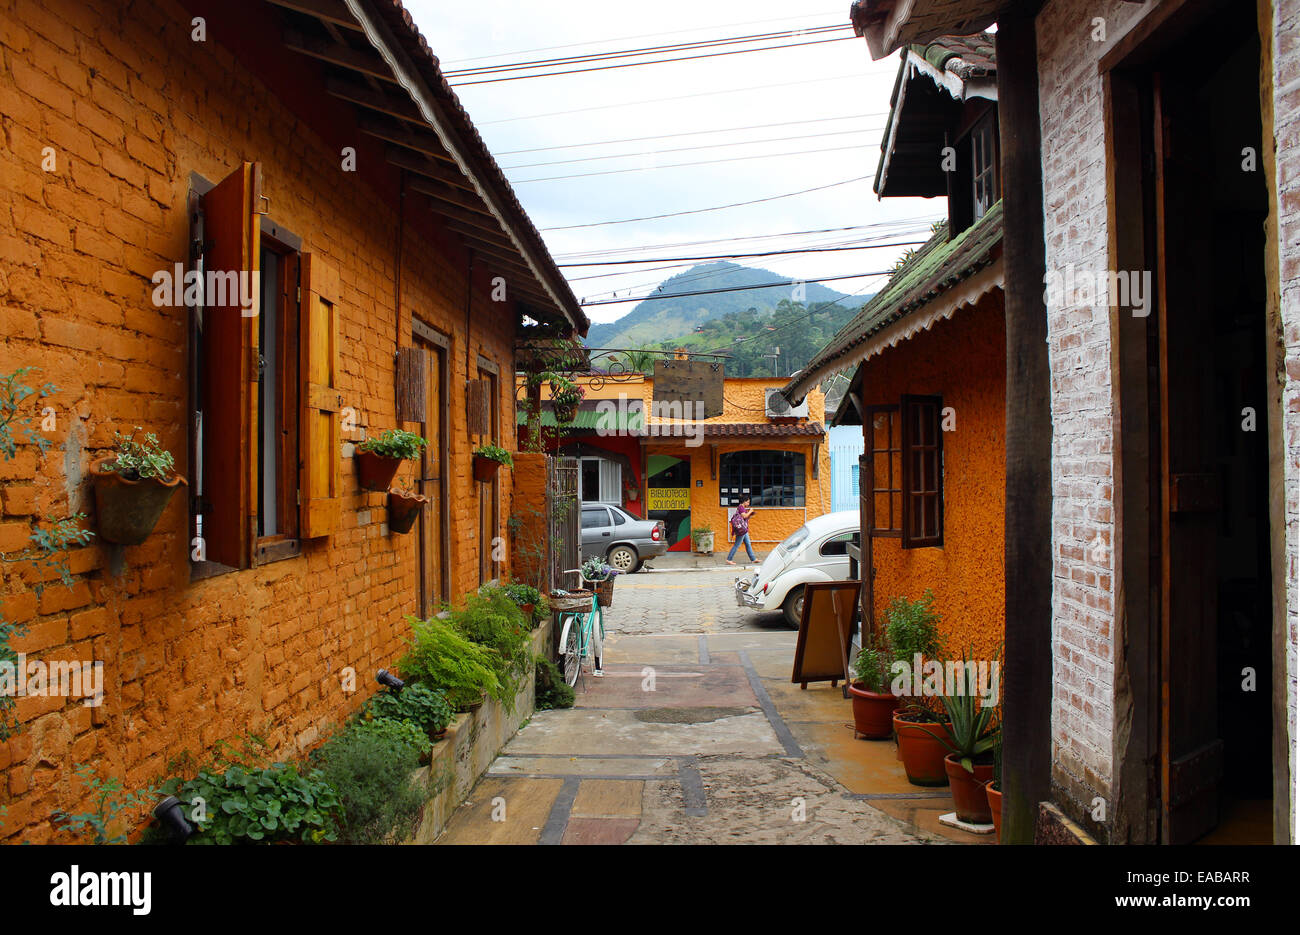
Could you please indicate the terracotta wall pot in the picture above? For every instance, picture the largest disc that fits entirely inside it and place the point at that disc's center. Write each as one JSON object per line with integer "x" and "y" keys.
{"x": 605, "y": 592}
{"x": 529, "y": 611}
{"x": 403, "y": 510}
{"x": 375, "y": 471}
{"x": 922, "y": 753}
{"x": 485, "y": 469}
{"x": 995, "y": 807}
{"x": 968, "y": 792}
{"x": 128, "y": 510}
{"x": 873, "y": 713}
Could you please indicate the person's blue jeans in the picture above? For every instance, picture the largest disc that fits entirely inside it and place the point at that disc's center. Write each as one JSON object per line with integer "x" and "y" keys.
{"x": 735, "y": 545}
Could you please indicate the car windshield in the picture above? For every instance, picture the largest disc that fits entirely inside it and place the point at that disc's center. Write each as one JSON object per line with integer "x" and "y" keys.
{"x": 794, "y": 540}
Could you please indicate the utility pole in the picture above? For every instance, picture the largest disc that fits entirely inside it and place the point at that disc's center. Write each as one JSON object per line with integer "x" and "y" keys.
{"x": 776, "y": 353}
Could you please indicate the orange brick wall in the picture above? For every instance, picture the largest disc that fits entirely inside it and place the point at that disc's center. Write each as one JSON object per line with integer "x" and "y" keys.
{"x": 131, "y": 107}
{"x": 964, "y": 360}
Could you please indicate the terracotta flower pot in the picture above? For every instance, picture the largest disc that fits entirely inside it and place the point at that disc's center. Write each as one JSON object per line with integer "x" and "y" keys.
{"x": 873, "y": 713}
{"x": 995, "y": 808}
{"x": 485, "y": 469}
{"x": 128, "y": 510}
{"x": 968, "y": 792}
{"x": 375, "y": 471}
{"x": 922, "y": 753}
{"x": 403, "y": 509}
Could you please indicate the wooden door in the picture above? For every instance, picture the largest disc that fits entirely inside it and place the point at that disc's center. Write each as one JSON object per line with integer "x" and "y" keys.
{"x": 1190, "y": 751}
{"x": 435, "y": 532}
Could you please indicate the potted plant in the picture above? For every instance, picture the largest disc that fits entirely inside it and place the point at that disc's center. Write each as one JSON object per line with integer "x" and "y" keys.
{"x": 702, "y": 539}
{"x": 404, "y": 506}
{"x": 527, "y": 597}
{"x": 601, "y": 576}
{"x": 565, "y": 398}
{"x": 379, "y": 458}
{"x": 570, "y": 602}
{"x": 994, "y": 790}
{"x": 912, "y": 630}
{"x": 488, "y": 460}
{"x": 972, "y": 732}
{"x": 873, "y": 703}
{"x": 133, "y": 487}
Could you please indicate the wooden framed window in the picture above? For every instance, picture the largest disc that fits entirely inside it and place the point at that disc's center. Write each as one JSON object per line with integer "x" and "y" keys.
{"x": 883, "y": 455}
{"x": 922, "y": 462}
{"x": 266, "y": 400}
{"x": 984, "y": 166}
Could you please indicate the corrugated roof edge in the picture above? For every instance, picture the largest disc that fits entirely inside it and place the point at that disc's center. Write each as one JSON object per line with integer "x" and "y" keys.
{"x": 399, "y": 19}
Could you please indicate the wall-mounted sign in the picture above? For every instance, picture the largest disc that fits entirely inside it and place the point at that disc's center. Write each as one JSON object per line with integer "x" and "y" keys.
{"x": 668, "y": 498}
{"x": 688, "y": 389}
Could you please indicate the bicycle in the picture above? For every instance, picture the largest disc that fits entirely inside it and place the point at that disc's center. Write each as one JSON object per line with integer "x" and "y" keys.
{"x": 582, "y": 636}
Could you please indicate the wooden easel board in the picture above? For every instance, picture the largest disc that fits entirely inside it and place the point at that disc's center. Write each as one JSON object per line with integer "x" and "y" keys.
{"x": 825, "y": 632}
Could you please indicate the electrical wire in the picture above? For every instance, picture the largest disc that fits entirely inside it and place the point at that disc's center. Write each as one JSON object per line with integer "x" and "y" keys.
{"x": 899, "y": 226}
{"x": 682, "y": 165}
{"x": 684, "y": 149}
{"x": 735, "y": 256}
{"x": 665, "y": 61}
{"x": 763, "y": 285}
{"x": 673, "y": 136}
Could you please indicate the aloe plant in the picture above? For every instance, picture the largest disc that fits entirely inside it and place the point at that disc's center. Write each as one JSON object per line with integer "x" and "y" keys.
{"x": 974, "y": 728}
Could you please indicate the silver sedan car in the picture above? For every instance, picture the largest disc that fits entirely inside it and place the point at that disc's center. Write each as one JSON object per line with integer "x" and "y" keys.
{"x": 618, "y": 537}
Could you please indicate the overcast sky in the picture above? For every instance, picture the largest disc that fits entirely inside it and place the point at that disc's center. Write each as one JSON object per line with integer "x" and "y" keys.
{"x": 832, "y": 79}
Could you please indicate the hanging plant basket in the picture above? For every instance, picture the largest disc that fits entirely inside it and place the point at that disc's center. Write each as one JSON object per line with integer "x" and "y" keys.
{"x": 128, "y": 510}
{"x": 604, "y": 592}
{"x": 403, "y": 509}
{"x": 565, "y": 412}
{"x": 578, "y": 602}
{"x": 376, "y": 472}
{"x": 485, "y": 469}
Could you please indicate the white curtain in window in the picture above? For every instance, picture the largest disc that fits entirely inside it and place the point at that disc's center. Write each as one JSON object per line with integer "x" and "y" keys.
{"x": 611, "y": 481}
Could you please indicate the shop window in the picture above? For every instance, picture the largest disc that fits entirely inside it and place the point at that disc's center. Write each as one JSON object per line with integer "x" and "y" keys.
{"x": 771, "y": 478}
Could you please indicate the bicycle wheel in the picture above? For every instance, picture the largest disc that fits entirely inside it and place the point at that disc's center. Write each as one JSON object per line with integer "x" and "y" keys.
{"x": 596, "y": 641}
{"x": 570, "y": 642}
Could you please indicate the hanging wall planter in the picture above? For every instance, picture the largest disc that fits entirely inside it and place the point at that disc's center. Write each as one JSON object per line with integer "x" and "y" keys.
{"x": 132, "y": 488}
{"x": 488, "y": 459}
{"x": 379, "y": 458}
{"x": 404, "y": 507}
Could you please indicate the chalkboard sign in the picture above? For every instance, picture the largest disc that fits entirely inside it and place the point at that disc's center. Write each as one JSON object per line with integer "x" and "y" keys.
{"x": 825, "y": 632}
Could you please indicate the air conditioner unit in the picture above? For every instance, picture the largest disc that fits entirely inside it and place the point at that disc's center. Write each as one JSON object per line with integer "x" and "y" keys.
{"x": 776, "y": 406}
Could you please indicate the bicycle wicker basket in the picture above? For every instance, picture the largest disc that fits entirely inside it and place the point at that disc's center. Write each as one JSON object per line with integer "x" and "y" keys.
{"x": 570, "y": 602}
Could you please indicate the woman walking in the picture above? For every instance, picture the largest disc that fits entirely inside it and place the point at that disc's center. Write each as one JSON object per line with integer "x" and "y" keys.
{"x": 740, "y": 526}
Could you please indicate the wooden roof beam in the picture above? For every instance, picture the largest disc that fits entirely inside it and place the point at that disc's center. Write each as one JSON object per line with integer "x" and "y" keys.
{"x": 393, "y": 105}
{"x": 364, "y": 62}
{"x": 334, "y": 12}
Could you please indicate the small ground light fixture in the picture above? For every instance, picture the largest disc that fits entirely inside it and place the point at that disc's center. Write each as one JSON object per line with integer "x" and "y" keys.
{"x": 386, "y": 678}
{"x": 170, "y": 813}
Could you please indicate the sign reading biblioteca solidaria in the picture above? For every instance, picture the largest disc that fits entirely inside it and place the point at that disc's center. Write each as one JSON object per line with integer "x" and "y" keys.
{"x": 668, "y": 498}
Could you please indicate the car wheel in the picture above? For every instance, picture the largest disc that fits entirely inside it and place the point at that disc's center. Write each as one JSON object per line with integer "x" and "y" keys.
{"x": 624, "y": 558}
{"x": 793, "y": 607}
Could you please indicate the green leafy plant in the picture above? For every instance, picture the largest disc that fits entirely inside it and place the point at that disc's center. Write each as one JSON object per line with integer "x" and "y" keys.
{"x": 444, "y": 659}
{"x": 14, "y": 428}
{"x": 698, "y": 533}
{"x": 371, "y": 767}
{"x": 871, "y": 667}
{"x": 491, "y": 618}
{"x": 418, "y": 703}
{"x": 551, "y": 691}
{"x": 522, "y": 593}
{"x": 259, "y": 806}
{"x": 913, "y": 627}
{"x": 102, "y": 822}
{"x": 593, "y": 569}
{"x": 395, "y": 443}
{"x": 137, "y": 460}
{"x": 974, "y": 727}
{"x": 494, "y": 453}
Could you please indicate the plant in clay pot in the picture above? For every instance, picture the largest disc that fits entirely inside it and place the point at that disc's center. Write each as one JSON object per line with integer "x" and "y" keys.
{"x": 404, "y": 507}
{"x": 972, "y": 732}
{"x": 379, "y": 458}
{"x": 488, "y": 459}
{"x": 873, "y": 703}
{"x": 132, "y": 488}
{"x": 566, "y": 396}
{"x": 912, "y": 630}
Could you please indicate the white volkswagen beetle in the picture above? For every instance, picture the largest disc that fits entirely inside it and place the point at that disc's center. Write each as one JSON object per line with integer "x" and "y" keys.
{"x": 816, "y": 551}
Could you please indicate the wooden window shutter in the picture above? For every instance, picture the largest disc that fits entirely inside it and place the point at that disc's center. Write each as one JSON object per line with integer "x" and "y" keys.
{"x": 478, "y": 413}
{"x": 412, "y": 368}
{"x": 229, "y": 379}
{"x": 922, "y": 441}
{"x": 319, "y": 435}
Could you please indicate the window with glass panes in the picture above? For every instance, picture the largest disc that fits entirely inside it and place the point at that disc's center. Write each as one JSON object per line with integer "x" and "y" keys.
{"x": 771, "y": 478}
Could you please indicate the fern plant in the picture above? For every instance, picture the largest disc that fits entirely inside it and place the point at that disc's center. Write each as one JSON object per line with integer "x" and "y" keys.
{"x": 444, "y": 659}
{"x": 490, "y": 618}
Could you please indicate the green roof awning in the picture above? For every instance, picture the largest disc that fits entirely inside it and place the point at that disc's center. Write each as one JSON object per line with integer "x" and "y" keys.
{"x": 592, "y": 417}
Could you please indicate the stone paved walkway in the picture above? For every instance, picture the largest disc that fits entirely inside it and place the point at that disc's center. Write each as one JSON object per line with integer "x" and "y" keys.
{"x": 695, "y": 735}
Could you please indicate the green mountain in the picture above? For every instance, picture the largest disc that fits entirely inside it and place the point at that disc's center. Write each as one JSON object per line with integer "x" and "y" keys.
{"x": 745, "y": 325}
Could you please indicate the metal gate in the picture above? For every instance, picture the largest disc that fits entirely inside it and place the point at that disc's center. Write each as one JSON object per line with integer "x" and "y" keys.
{"x": 563, "y": 542}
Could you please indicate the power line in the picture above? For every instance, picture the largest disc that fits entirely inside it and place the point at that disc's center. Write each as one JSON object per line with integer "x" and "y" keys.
{"x": 664, "y": 61}
{"x": 765, "y": 285}
{"x": 736, "y": 256}
{"x": 667, "y": 136}
{"x": 647, "y": 35}
{"x": 646, "y": 50}
{"x": 684, "y": 149}
{"x": 894, "y": 226}
{"x": 663, "y": 100}
{"x": 702, "y": 211}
